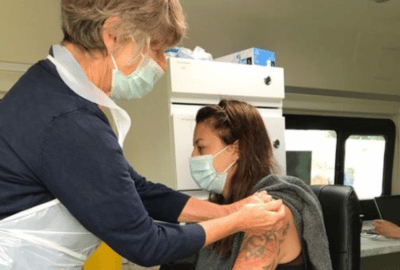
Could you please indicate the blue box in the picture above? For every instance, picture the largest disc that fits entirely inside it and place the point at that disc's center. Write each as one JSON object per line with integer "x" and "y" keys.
{"x": 252, "y": 56}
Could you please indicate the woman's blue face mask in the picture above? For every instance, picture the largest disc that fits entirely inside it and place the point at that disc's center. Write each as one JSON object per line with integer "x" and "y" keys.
{"x": 203, "y": 172}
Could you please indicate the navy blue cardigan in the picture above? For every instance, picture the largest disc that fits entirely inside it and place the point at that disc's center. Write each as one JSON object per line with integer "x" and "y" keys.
{"x": 55, "y": 144}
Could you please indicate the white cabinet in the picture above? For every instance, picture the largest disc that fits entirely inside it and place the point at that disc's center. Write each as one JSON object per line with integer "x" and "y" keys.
{"x": 160, "y": 141}
{"x": 196, "y": 79}
{"x": 276, "y": 131}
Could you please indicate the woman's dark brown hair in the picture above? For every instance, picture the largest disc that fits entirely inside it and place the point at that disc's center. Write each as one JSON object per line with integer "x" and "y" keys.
{"x": 238, "y": 121}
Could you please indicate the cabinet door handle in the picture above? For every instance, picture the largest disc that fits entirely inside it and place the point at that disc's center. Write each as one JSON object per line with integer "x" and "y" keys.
{"x": 268, "y": 80}
{"x": 277, "y": 144}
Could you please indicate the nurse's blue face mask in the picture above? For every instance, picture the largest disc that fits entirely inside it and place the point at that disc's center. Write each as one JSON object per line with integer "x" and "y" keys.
{"x": 137, "y": 84}
{"x": 203, "y": 172}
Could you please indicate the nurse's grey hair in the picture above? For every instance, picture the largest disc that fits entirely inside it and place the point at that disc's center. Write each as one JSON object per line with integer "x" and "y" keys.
{"x": 149, "y": 22}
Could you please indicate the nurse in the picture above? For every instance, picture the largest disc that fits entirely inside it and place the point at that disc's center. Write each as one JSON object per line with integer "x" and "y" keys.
{"x": 65, "y": 183}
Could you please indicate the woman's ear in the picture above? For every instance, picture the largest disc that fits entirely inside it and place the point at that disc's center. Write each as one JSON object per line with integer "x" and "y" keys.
{"x": 109, "y": 34}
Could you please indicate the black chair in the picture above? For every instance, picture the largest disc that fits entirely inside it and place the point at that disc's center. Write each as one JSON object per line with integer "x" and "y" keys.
{"x": 340, "y": 206}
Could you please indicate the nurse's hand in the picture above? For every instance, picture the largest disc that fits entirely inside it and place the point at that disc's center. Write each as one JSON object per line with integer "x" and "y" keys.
{"x": 258, "y": 197}
{"x": 262, "y": 196}
{"x": 260, "y": 218}
{"x": 386, "y": 228}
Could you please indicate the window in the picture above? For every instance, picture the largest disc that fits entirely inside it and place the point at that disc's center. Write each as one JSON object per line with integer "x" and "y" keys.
{"x": 345, "y": 151}
{"x": 363, "y": 164}
{"x": 316, "y": 146}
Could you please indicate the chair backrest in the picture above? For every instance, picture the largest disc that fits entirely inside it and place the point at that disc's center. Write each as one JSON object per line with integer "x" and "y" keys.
{"x": 341, "y": 210}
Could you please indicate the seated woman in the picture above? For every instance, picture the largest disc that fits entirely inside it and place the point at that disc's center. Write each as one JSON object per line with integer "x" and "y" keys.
{"x": 232, "y": 159}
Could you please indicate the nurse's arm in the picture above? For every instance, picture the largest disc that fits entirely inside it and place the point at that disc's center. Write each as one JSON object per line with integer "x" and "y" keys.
{"x": 256, "y": 219}
{"x": 197, "y": 210}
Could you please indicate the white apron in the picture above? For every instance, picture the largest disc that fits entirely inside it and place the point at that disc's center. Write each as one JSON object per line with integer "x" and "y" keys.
{"x": 45, "y": 237}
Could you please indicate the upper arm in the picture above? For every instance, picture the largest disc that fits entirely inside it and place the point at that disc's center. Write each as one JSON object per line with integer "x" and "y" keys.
{"x": 280, "y": 245}
{"x": 161, "y": 202}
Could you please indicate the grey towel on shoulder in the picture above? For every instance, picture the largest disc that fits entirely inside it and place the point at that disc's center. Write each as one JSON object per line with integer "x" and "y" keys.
{"x": 308, "y": 218}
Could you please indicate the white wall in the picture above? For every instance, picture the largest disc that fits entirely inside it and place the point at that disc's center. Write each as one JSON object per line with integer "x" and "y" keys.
{"x": 28, "y": 28}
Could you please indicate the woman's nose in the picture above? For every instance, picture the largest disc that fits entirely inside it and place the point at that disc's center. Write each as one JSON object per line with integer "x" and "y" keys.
{"x": 195, "y": 152}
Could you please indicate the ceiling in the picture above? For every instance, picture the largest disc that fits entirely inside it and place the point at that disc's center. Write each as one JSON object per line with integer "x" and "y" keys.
{"x": 269, "y": 16}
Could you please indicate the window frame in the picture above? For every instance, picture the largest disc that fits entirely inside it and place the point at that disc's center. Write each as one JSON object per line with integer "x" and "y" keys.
{"x": 344, "y": 128}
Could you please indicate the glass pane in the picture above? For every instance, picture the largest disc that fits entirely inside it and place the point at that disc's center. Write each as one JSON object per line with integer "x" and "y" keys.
{"x": 364, "y": 165}
{"x": 317, "y": 145}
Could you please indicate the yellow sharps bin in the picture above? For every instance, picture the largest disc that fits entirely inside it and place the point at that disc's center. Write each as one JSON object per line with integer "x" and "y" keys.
{"x": 104, "y": 258}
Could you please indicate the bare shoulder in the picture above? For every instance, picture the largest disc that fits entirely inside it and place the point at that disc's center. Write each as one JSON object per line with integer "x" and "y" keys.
{"x": 280, "y": 245}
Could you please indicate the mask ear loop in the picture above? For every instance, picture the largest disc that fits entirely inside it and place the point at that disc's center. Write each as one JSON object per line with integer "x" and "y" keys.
{"x": 114, "y": 62}
{"x": 221, "y": 151}
{"x": 145, "y": 59}
{"x": 133, "y": 60}
{"x": 233, "y": 163}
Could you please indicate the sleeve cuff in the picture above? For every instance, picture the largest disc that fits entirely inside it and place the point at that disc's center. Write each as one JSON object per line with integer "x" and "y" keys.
{"x": 197, "y": 236}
